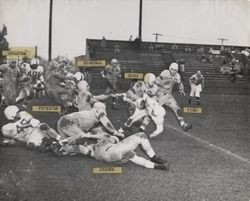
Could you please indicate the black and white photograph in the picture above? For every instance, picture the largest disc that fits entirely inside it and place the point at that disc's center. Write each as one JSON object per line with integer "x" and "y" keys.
{"x": 124, "y": 100}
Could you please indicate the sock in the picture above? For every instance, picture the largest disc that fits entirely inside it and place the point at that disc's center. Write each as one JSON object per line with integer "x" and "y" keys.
{"x": 142, "y": 162}
{"x": 150, "y": 153}
{"x": 197, "y": 99}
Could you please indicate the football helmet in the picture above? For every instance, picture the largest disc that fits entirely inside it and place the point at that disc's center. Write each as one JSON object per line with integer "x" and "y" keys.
{"x": 79, "y": 76}
{"x": 10, "y": 112}
{"x": 173, "y": 68}
{"x": 149, "y": 79}
{"x": 114, "y": 61}
{"x": 34, "y": 63}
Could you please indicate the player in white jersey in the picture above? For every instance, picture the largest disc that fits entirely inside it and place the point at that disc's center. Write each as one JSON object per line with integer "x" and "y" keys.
{"x": 120, "y": 152}
{"x": 93, "y": 120}
{"x": 35, "y": 72}
{"x": 25, "y": 128}
{"x": 165, "y": 82}
{"x": 196, "y": 82}
{"x": 146, "y": 108}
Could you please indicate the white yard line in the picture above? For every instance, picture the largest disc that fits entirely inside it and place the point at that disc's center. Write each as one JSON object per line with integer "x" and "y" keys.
{"x": 226, "y": 152}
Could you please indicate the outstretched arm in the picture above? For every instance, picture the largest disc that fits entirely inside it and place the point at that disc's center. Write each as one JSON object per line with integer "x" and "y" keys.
{"x": 101, "y": 97}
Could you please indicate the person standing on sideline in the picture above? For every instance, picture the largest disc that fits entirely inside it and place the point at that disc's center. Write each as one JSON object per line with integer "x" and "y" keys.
{"x": 197, "y": 84}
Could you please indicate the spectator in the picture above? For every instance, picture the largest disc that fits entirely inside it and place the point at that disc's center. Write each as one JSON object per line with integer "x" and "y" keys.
{"x": 137, "y": 42}
{"x": 203, "y": 58}
{"x": 103, "y": 42}
{"x": 174, "y": 47}
{"x": 151, "y": 47}
{"x": 130, "y": 38}
{"x": 196, "y": 82}
{"x": 117, "y": 49}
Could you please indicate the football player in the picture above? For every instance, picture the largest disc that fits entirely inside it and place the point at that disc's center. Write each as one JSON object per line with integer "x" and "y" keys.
{"x": 165, "y": 82}
{"x": 25, "y": 128}
{"x": 111, "y": 74}
{"x": 26, "y": 90}
{"x": 146, "y": 108}
{"x": 61, "y": 94}
{"x": 81, "y": 123}
{"x": 196, "y": 82}
{"x": 120, "y": 152}
{"x": 10, "y": 74}
{"x": 35, "y": 72}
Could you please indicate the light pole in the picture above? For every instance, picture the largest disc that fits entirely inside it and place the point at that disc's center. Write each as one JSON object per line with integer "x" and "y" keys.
{"x": 140, "y": 20}
{"x": 50, "y": 29}
{"x": 222, "y": 41}
{"x": 156, "y": 36}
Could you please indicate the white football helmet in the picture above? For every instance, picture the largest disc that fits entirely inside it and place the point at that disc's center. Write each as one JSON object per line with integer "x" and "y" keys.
{"x": 149, "y": 78}
{"x": 82, "y": 86}
{"x": 114, "y": 61}
{"x": 173, "y": 68}
{"x": 34, "y": 61}
{"x": 100, "y": 106}
{"x": 10, "y": 112}
{"x": 79, "y": 76}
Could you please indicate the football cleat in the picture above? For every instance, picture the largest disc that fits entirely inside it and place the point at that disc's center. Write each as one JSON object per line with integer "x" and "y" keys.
{"x": 186, "y": 127}
{"x": 161, "y": 167}
{"x": 56, "y": 148}
{"x": 114, "y": 106}
{"x": 157, "y": 160}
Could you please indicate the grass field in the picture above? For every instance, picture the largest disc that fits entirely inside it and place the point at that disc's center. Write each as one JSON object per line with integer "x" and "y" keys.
{"x": 211, "y": 162}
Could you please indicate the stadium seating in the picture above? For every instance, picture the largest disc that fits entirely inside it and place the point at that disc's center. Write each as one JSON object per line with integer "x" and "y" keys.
{"x": 144, "y": 60}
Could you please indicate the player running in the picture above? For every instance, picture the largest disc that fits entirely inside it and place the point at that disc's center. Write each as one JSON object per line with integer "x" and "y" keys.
{"x": 165, "y": 82}
{"x": 146, "y": 109}
{"x": 112, "y": 73}
{"x": 35, "y": 71}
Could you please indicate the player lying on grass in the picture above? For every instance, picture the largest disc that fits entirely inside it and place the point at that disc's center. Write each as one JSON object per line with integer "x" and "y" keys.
{"x": 88, "y": 123}
{"x": 146, "y": 108}
{"x": 23, "y": 127}
{"x": 120, "y": 152}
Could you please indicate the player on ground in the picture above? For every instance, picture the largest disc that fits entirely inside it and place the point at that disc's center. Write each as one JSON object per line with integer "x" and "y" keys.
{"x": 85, "y": 122}
{"x": 120, "y": 152}
{"x": 25, "y": 128}
{"x": 165, "y": 82}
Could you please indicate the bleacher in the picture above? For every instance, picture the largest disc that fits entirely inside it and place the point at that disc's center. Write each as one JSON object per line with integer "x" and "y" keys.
{"x": 144, "y": 60}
